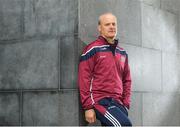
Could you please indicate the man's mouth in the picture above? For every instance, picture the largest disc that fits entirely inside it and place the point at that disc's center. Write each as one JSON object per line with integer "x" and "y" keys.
{"x": 112, "y": 31}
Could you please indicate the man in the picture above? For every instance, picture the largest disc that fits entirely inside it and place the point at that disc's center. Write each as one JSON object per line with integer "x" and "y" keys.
{"x": 104, "y": 77}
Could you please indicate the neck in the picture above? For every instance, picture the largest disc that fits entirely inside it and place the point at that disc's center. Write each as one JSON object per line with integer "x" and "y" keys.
{"x": 109, "y": 40}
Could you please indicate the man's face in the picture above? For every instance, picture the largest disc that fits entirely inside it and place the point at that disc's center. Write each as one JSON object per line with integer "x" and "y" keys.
{"x": 108, "y": 26}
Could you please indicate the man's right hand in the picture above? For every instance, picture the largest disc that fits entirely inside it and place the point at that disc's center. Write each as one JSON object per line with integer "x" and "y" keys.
{"x": 90, "y": 115}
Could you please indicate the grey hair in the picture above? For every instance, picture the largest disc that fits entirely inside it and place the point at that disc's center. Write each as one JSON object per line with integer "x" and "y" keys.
{"x": 107, "y": 13}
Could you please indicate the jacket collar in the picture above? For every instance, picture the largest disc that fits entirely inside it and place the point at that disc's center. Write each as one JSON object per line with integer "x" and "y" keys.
{"x": 106, "y": 42}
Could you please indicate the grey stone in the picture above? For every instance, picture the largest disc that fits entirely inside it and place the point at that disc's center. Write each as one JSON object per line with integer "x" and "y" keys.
{"x": 29, "y": 65}
{"x": 154, "y": 3}
{"x": 161, "y": 109}
{"x": 40, "y": 109}
{"x": 81, "y": 46}
{"x": 10, "y": 23}
{"x": 69, "y": 108}
{"x": 128, "y": 16}
{"x": 9, "y": 109}
{"x": 52, "y": 17}
{"x": 178, "y": 34}
{"x": 135, "y": 112}
{"x": 150, "y": 38}
{"x": 69, "y": 62}
{"x": 148, "y": 30}
{"x": 171, "y": 5}
{"x": 170, "y": 31}
{"x": 96, "y": 123}
{"x": 145, "y": 67}
{"x": 160, "y": 33}
{"x": 171, "y": 72}
{"x": 88, "y": 23}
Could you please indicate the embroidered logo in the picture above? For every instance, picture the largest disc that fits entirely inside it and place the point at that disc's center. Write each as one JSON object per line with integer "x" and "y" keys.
{"x": 122, "y": 59}
{"x": 102, "y": 56}
{"x": 111, "y": 107}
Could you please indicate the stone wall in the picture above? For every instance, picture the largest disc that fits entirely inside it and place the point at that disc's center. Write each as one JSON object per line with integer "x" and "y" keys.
{"x": 40, "y": 44}
{"x": 38, "y": 62}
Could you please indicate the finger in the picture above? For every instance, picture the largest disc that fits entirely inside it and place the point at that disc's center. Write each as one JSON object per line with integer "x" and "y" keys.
{"x": 87, "y": 119}
{"x": 93, "y": 119}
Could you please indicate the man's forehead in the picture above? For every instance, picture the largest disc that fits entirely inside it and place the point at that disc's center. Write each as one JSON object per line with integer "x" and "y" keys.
{"x": 108, "y": 18}
{"x": 108, "y": 15}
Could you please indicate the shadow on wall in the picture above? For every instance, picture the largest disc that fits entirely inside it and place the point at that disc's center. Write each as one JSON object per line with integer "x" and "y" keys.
{"x": 82, "y": 121}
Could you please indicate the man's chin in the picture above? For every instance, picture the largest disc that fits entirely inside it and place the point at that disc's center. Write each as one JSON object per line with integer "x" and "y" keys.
{"x": 112, "y": 37}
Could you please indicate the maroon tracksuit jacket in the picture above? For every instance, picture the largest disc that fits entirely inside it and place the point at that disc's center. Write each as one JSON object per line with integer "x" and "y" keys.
{"x": 104, "y": 72}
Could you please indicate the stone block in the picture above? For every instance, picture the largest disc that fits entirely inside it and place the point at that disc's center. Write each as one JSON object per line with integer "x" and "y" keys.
{"x": 9, "y": 109}
{"x": 51, "y": 17}
{"x": 69, "y": 62}
{"x": 159, "y": 29}
{"x": 171, "y": 72}
{"x": 129, "y": 27}
{"x": 178, "y": 47}
{"x": 29, "y": 65}
{"x": 145, "y": 67}
{"x": 161, "y": 109}
{"x": 69, "y": 108}
{"x": 171, "y": 5}
{"x": 170, "y": 32}
{"x": 135, "y": 112}
{"x": 88, "y": 23}
{"x": 152, "y": 36}
{"x": 128, "y": 16}
{"x": 154, "y": 3}
{"x": 40, "y": 109}
{"x": 10, "y": 15}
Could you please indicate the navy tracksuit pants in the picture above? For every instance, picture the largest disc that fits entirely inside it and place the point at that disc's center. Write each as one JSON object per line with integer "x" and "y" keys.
{"x": 116, "y": 114}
